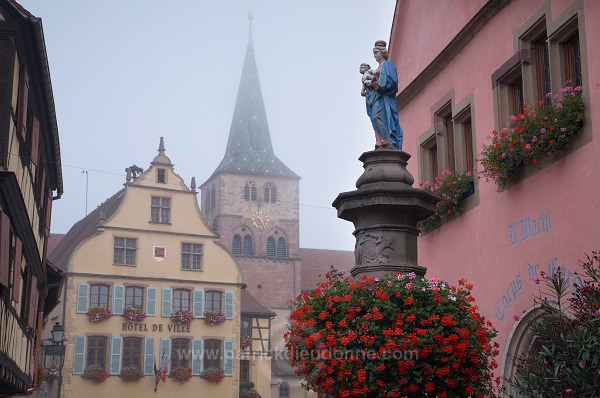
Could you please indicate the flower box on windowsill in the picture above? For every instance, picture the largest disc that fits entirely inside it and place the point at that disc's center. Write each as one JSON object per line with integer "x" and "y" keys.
{"x": 181, "y": 374}
{"x": 95, "y": 372}
{"x": 131, "y": 373}
{"x": 452, "y": 188}
{"x": 214, "y": 318}
{"x": 213, "y": 375}
{"x": 182, "y": 317}
{"x": 537, "y": 136}
{"x": 134, "y": 314}
{"x": 245, "y": 342}
{"x": 98, "y": 314}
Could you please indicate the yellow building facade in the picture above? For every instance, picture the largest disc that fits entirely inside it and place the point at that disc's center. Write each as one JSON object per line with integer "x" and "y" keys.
{"x": 151, "y": 290}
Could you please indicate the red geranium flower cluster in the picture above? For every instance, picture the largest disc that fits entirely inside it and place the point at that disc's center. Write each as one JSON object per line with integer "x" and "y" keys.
{"x": 135, "y": 314}
{"x": 95, "y": 372}
{"x": 452, "y": 188}
{"x": 213, "y": 375}
{"x": 214, "y": 318}
{"x": 537, "y": 134}
{"x": 181, "y": 374}
{"x": 398, "y": 336}
{"x": 182, "y": 317}
{"x": 97, "y": 314}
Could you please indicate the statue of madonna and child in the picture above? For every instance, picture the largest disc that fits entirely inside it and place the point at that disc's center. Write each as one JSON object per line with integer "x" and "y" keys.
{"x": 379, "y": 89}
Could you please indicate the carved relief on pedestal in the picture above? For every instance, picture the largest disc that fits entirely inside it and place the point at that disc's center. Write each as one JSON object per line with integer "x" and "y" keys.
{"x": 372, "y": 248}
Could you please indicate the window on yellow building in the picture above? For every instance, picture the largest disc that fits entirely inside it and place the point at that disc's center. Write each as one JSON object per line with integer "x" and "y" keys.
{"x": 161, "y": 176}
{"x": 125, "y": 251}
{"x": 214, "y": 301}
{"x": 191, "y": 256}
{"x": 244, "y": 370}
{"x": 160, "y": 212}
{"x": 212, "y": 354}
{"x": 99, "y": 295}
{"x": 181, "y": 300}
{"x": 180, "y": 353}
{"x": 97, "y": 351}
{"x": 134, "y": 297}
{"x": 132, "y": 352}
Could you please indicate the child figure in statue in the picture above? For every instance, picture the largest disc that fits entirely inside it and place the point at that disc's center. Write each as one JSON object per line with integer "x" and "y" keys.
{"x": 381, "y": 101}
{"x": 368, "y": 78}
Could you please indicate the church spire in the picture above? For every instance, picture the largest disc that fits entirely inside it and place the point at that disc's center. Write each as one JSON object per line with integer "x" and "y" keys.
{"x": 250, "y": 18}
{"x": 249, "y": 149}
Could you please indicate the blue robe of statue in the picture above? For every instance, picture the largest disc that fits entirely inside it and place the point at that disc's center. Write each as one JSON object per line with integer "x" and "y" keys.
{"x": 382, "y": 107}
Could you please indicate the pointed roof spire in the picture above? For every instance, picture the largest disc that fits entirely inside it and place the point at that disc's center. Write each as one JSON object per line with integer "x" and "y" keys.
{"x": 249, "y": 149}
{"x": 161, "y": 158}
{"x": 250, "y": 18}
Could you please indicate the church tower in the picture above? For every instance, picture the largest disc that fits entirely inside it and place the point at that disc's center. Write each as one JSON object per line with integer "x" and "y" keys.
{"x": 252, "y": 199}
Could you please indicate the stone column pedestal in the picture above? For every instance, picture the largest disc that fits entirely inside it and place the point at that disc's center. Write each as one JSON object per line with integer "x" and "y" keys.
{"x": 385, "y": 209}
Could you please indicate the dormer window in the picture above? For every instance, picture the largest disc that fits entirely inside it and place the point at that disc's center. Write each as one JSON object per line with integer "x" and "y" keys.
{"x": 161, "y": 176}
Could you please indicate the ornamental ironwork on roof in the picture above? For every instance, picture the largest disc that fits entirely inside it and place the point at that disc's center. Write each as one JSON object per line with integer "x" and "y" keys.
{"x": 249, "y": 149}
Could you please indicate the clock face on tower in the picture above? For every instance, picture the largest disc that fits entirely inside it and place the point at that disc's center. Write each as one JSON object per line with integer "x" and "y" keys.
{"x": 260, "y": 219}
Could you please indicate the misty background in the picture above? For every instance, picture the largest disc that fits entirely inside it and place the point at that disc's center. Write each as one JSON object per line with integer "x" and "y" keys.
{"x": 125, "y": 73}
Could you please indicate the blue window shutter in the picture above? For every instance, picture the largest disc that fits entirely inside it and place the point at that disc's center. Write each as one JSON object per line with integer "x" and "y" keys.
{"x": 115, "y": 355}
{"x": 149, "y": 356}
{"x": 197, "y": 356}
{"x": 229, "y": 296}
{"x": 166, "y": 301}
{"x": 165, "y": 353}
{"x": 78, "y": 355}
{"x": 198, "y": 308}
{"x": 151, "y": 301}
{"x": 118, "y": 299}
{"x": 82, "y": 298}
{"x": 228, "y": 357}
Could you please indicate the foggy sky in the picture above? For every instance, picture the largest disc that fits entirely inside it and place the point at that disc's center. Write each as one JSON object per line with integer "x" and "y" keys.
{"x": 124, "y": 73}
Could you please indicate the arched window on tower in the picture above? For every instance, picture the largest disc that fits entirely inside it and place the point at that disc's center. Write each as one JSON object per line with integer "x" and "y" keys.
{"x": 270, "y": 246}
{"x": 236, "y": 245}
{"x": 250, "y": 191}
{"x": 284, "y": 390}
{"x": 247, "y": 248}
{"x": 270, "y": 192}
{"x": 281, "y": 247}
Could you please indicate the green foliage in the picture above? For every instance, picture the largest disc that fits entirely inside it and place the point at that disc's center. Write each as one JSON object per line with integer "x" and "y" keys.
{"x": 247, "y": 390}
{"x": 567, "y": 362}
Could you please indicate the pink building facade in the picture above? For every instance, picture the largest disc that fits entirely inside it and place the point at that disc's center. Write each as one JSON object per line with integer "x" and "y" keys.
{"x": 464, "y": 67}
